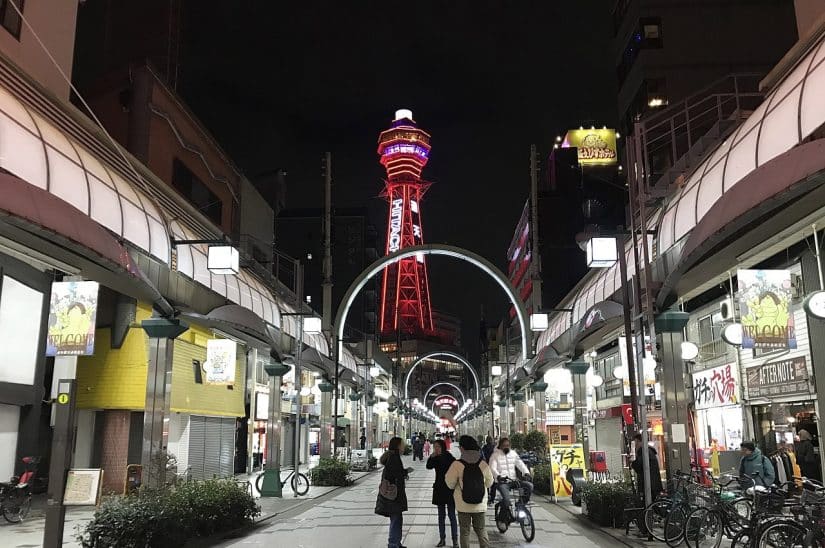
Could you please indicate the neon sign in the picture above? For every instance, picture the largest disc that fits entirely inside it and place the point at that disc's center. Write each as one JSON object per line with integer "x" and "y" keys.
{"x": 406, "y": 149}
{"x": 395, "y": 224}
{"x": 446, "y": 402}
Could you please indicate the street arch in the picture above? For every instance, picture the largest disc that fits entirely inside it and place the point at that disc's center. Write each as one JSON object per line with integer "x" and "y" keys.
{"x": 443, "y": 383}
{"x": 446, "y": 354}
{"x": 433, "y": 249}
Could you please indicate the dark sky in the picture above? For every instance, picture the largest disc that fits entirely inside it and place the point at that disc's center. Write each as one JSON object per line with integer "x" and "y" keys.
{"x": 279, "y": 83}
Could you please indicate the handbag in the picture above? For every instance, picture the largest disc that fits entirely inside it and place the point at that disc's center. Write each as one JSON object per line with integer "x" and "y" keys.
{"x": 388, "y": 489}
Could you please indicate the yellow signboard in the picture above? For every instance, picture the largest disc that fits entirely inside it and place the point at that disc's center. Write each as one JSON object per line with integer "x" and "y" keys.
{"x": 564, "y": 458}
{"x": 596, "y": 147}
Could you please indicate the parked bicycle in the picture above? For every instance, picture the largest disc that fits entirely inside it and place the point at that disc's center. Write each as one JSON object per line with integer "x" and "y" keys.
{"x": 516, "y": 512}
{"x": 727, "y": 514}
{"x": 298, "y": 481}
{"x": 16, "y": 494}
{"x": 656, "y": 517}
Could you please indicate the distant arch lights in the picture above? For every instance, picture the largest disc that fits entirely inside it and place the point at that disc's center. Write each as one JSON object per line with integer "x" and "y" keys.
{"x": 444, "y": 354}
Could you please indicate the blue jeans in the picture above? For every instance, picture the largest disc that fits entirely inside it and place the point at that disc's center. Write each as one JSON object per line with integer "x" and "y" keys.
{"x": 445, "y": 510}
{"x": 396, "y": 522}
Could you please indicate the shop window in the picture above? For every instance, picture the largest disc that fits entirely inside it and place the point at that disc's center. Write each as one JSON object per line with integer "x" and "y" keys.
{"x": 194, "y": 190}
{"x": 10, "y": 18}
{"x": 710, "y": 329}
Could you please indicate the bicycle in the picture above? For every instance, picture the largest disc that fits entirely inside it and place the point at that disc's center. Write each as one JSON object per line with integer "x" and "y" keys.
{"x": 767, "y": 511}
{"x": 805, "y": 528}
{"x": 516, "y": 512}
{"x": 298, "y": 481}
{"x": 654, "y": 518}
{"x": 16, "y": 495}
{"x": 727, "y": 515}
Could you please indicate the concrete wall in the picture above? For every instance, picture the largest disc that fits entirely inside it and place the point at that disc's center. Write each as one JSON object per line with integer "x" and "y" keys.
{"x": 54, "y": 22}
{"x": 257, "y": 222}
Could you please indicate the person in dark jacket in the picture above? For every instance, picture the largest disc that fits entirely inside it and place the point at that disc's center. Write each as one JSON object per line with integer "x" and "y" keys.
{"x": 440, "y": 461}
{"x": 638, "y": 467}
{"x": 395, "y": 473}
{"x": 755, "y": 468}
{"x": 487, "y": 452}
{"x": 806, "y": 457}
{"x": 418, "y": 447}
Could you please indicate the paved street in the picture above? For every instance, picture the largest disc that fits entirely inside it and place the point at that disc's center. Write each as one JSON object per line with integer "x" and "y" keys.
{"x": 346, "y": 520}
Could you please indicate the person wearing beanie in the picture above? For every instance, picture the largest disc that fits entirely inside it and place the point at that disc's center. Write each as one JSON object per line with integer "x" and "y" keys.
{"x": 470, "y": 478}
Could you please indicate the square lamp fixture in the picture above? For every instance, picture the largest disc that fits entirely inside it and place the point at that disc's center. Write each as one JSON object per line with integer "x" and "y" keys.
{"x": 312, "y": 325}
{"x": 601, "y": 252}
{"x": 223, "y": 259}
{"x": 539, "y": 322}
{"x": 495, "y": 370}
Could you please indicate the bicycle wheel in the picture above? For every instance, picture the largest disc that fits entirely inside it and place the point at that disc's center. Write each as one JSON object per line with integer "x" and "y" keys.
{"x": 742, "y": 539}
{"x": 300, "y": 483}
{"x": 502, "y": 521}
{"x": 528, "y": 526}
{"x": 783, "y": 534}
{"x": 675, "y": 526}
{"x": 259, "y": 482}
{"x": 654, "y": 517}
{"x": 16, "y": 506}
{"x": 704, "y": 529}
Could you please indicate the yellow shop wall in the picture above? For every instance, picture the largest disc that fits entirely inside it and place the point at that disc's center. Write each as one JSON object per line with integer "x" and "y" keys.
{"x": 203, "y": 399}
{"x": 115, "y": 378}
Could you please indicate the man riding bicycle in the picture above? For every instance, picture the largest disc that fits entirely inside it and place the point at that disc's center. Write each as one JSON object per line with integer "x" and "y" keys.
{"x": 507, "y": 465}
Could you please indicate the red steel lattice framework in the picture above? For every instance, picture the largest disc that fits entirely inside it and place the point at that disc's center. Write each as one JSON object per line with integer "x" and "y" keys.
{"x": 405, "y": 295}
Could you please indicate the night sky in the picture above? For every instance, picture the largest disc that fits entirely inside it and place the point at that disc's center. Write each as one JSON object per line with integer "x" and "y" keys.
{"x": 279, "y": 83}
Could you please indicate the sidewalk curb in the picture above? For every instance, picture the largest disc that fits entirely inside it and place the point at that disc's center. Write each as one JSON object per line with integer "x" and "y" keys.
{"x": 623, "y": 539}
{"x": 303, "y": 501}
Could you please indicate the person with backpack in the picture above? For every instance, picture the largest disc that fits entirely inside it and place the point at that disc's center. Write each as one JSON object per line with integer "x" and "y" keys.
{"x": 440, "y": 461}
{"x": 755, "y": 465}
{"x": 470, "y": 478}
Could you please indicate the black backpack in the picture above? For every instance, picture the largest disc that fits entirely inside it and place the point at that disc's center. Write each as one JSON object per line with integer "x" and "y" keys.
{"x": 472, "y": 483}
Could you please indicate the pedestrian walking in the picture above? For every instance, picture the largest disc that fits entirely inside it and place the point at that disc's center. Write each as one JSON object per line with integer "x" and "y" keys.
{"x": 638, "y": 467}
{"x": 754, "y": 464}
{"x": 470, "y": 478}
{"x": 418, "y": 448}
{"x": 427, "y": 448}
{"x": 486, "y": 453}
{"x": 392, "y": 494}
{"x": 440, "y": 461}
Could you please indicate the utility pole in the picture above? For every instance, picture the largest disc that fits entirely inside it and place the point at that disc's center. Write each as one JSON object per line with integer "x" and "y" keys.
{"x": 327, "y": 266}
{"x": 299, "y": 344}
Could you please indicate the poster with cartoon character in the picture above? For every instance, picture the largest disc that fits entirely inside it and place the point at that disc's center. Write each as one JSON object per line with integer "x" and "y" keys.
{"x": 72, "y": 316}
{"x": 764, "y": 307}
{"x": 564, "y": 458}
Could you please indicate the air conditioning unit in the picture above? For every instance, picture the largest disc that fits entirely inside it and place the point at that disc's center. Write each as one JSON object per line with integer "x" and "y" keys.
{"x": 726, "y": 309}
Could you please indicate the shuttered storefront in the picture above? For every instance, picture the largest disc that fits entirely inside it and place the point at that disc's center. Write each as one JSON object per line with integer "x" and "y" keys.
{"x": 211, "y": 446}
{"x": 609, "y": 440}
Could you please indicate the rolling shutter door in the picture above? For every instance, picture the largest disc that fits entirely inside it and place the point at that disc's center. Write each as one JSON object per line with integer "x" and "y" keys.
{"x": 609, "y": 440}
{"x": 211, "y": 447}
{"x": 197, "y": 440}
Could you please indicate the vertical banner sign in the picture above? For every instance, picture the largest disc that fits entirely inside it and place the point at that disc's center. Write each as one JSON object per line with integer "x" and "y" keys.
{"x": 219, "y": 367}
{"x": 764, "y": 304}
{"x": 564, "y": 458}
{"x": 72, "y": 315}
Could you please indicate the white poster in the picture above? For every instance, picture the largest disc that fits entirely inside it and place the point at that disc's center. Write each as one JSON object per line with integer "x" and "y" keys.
{"x": 219, "y": 367}
{"x": 717, "y": 386}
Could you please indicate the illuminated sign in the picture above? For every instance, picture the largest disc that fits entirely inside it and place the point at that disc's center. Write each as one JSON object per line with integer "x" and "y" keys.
{"x": 72, "y": 317}
{"x": 406, "y": 149}
{"x": 764, "y": 303}
{"x": 414, "y": 206}
{"x": 596, "y": 147}
{"x": 416, "y": 231}
{"x": 395, "y": 224}
{"x": 446, "y": 402}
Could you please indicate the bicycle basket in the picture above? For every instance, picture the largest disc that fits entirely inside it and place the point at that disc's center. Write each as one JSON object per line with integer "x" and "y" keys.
{"x": 772, "y": 501}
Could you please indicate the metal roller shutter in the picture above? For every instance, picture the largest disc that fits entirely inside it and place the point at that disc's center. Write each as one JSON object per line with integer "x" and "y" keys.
{"x": 609, "y": 440}
{"x": 227, "y": 455}
{"x": 211, "y": 447}
{"x": 197, "y": 441}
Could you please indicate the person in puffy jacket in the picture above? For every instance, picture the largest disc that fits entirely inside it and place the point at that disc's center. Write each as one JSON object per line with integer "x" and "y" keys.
{"x": 395, "y": 473}
{"x": 755, "y": 465}
{"x": 469, "y": 515}
{"x": 506, "y": 465}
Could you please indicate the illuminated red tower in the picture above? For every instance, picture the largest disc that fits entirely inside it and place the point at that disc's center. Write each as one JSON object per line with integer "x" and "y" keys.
{"x": 405, "y": 296}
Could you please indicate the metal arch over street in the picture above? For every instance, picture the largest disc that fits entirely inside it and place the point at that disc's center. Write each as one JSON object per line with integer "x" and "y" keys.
{"x": 433, "y": 249}
{"x": 440, "y": 383}
{"x": 444, "y": 353}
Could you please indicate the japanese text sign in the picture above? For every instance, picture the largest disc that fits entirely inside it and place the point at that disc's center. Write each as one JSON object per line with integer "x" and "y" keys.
{"x": 717, "y": 386}
{"x": 564, "y": 458}
{"x": 778, "y": 378}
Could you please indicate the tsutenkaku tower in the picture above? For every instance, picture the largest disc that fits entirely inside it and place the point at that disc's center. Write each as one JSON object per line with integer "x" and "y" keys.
{"x": 405, "y": 295}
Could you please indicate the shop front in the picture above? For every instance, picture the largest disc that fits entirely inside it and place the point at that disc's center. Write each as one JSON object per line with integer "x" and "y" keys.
{"x": 718, "y": 403}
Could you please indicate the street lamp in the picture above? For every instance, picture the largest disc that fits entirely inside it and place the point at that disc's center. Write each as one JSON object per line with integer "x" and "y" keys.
{"x": 539, "y": 321}
{"x": 495, "y": 370}
{"x": 602, "y": 252}
{"x": 223, "y": 259}
{"x": 312, "y": 325}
